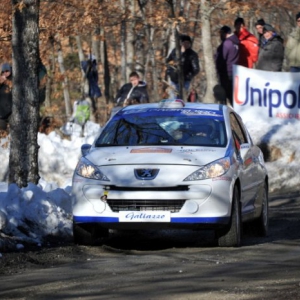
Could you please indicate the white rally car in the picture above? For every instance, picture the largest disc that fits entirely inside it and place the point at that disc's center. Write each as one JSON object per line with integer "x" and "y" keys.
{"x": 171, "y": 165}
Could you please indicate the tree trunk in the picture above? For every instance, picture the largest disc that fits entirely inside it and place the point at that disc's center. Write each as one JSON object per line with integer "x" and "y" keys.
{"x": 106, "y": 75}
{"x": 209, "y": 64}
{"x": 79, "y": 48}
{"x": 65, "y": 83}
{"x": 101, "y": 45}
{"x": 84, "y": 84}
{"x": 154, "y": 73}
{"x": 130, "y": 38}
{"x": 181, "y": 90}
{"x": 150, "y": 54}
{"x": 96, "y": 45}
{"x": 24, "y": 122}
{"x": 123, "y": 45}
{"x": 48, "y": 91}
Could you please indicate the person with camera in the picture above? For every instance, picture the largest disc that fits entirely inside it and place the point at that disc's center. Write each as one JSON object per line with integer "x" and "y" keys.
{"x": 189, "y": 63}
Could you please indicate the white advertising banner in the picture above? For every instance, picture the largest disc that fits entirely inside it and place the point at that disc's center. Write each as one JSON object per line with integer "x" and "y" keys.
{"x": 270, "y": 96}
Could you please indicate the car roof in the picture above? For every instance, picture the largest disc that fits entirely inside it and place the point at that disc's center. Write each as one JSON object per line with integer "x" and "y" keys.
{"x": 204, "y": 106}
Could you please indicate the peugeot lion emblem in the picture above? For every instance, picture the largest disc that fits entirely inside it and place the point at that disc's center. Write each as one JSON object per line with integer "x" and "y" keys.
{"x": 145, "y": 174}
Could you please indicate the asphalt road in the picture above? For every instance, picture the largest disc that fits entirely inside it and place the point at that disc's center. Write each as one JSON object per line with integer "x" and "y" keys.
{"x": 164, "y": 265}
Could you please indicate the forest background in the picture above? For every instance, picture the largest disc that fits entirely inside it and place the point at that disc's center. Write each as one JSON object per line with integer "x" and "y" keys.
{"x": 127, "y": 35}
{"x": 123, "y": 35}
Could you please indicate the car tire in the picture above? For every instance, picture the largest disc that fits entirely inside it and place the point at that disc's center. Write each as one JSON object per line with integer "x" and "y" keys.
{"x": 260, "y": 226}
{"x": 231, "y": 236}
{"x": 88, "y": 234}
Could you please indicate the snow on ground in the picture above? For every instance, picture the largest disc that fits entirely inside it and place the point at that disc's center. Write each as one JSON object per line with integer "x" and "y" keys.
{"x": 31, "y": 214}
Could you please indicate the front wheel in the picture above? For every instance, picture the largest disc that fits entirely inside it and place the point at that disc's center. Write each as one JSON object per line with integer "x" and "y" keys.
{"x": 231, "y": 235}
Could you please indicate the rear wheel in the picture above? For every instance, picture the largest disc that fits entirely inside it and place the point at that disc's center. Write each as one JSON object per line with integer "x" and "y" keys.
{"x": 88, "y": 234}
{"x": 261, "y": 225}
{"x": 231, "y": 236}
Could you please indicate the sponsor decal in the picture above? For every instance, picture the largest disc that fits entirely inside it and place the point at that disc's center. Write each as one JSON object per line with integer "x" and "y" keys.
{"x": 176, "y": 111}
{"x": 151, "y": 150}
{"x": 225, "y": 178}
{"x": 79, "y": 179}
{"x": 282, "y": 115}
{"x": 245, "y": 147}
{"x": 266, "y": 95}
{"x": 196, "y": 150}
{"x": 198, "y": 112}
{"x": 149, "y": 216}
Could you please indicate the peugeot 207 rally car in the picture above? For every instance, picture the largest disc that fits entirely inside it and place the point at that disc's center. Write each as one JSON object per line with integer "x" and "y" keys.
{"x": 171, "y": 165}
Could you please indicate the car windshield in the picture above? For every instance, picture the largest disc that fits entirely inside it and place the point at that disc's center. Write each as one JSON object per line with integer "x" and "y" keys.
{"x": 158, "y": 126}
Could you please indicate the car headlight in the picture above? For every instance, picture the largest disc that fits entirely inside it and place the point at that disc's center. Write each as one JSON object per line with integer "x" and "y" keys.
{"x": 212, "y": 170}
{"x": 88, "y": 170}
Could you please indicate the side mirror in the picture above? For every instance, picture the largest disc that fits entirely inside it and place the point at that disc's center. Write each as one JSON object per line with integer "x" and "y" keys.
{"x": 85, "y": 148}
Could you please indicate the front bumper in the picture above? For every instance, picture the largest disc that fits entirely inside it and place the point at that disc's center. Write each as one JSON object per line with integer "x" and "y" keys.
{"x": 206, "y": 204}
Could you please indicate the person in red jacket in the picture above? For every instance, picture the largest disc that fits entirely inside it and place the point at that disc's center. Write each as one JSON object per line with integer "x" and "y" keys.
{"x": 248, "y": 53}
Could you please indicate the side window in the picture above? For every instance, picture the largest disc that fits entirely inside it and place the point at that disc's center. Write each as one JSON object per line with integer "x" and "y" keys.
{"x": 237, "y": 129}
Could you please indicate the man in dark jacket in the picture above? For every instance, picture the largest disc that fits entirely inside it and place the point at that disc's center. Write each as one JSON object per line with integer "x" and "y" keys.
{"x": 91, "y": 72}
{"x": 271, "y": 54}
{"x": 5, "y": 95}
{"x": 189, "y": 62}
{"x": 227, "y": 55}
{"x": 259, "y": 25}
{"x": 134, "y": 92}
{"x": 136, "y": 89}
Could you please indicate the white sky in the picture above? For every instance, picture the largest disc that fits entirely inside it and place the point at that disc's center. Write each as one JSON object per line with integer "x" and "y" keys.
{"x": 31, "y": 213}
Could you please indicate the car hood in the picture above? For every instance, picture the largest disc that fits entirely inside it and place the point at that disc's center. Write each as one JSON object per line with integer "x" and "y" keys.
{"x": 175, "y": 155}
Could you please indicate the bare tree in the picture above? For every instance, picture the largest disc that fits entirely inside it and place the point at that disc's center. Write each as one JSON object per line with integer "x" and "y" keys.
{"x": 150, "y": 50}
{"x": 209, "y": 65}
{"x": 60, "y": 59}
{"x": 123, "y": 45}
{"x": 24, "y": 122}
{"x": 130, "y": 38}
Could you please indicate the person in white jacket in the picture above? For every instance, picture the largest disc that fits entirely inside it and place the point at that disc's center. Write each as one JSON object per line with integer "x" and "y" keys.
{"x": 292, "y": 48}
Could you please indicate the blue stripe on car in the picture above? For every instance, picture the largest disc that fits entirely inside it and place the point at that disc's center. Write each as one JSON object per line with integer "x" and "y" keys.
{"x": 213, "y": 220}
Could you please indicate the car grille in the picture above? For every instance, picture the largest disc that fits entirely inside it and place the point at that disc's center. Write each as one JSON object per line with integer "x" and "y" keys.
{"x": 145, "y": 205}
{"x": 158, "y": 189}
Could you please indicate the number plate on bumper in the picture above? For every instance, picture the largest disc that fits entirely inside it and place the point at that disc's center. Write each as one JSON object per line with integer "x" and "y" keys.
{"x": 144, "y": 216}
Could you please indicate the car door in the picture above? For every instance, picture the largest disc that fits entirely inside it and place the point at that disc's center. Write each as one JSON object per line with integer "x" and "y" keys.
{"x": 248, "y": 169}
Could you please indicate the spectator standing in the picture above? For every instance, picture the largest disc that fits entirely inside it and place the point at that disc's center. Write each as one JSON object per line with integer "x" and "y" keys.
{"x": 81, "y": 113}
{"x": 248, "y": 44}
{"x": 91, "y": 72}
{"x": 271, "y": 53}
{"x": 259, "y": 25}
{"x": 189, "y": 63}
{"x": 226, "y": 56}
{"x": 292, "y": 48}
{"x": 135, "y": 89}
{"x": 134, "y": 92}
{"x": 5, "y": 95}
